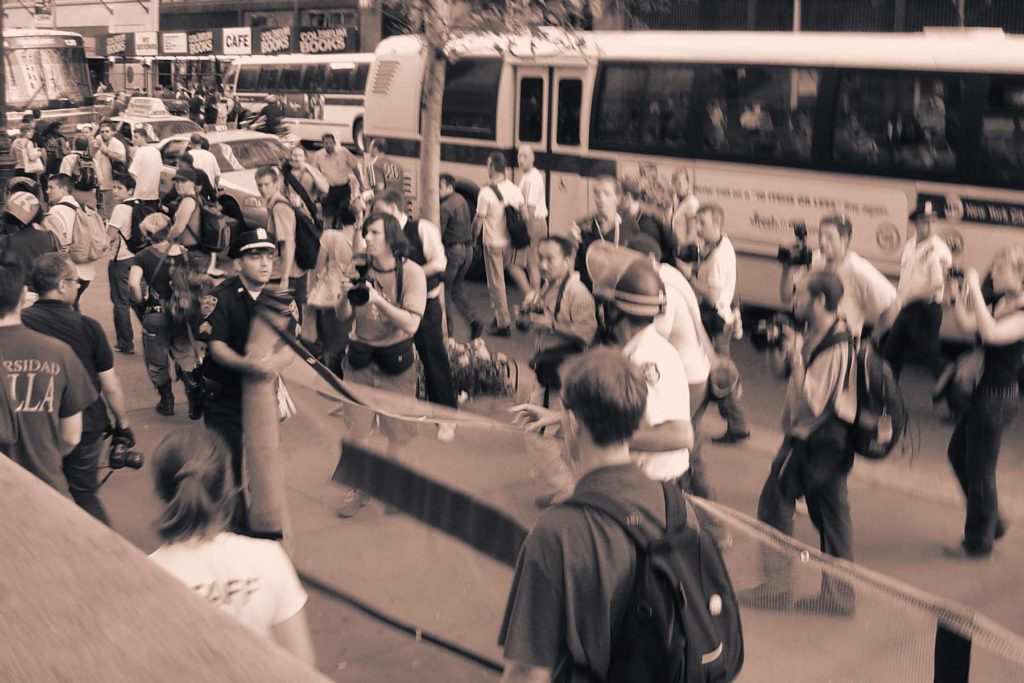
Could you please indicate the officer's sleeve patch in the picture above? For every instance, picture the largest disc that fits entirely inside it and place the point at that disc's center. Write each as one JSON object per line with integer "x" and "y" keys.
{"x": 650, "y": 373}
{"x": 207, "y": 305}
{"x": 205, "y": 328}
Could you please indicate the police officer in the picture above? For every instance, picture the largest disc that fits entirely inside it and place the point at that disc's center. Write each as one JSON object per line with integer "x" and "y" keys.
{"x": 227, "y": 318}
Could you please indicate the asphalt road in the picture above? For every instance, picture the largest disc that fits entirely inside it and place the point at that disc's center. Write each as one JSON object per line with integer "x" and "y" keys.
{"x": 904, "y": 510}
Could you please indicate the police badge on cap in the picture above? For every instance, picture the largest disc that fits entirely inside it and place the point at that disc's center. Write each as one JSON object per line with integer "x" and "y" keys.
{"x": 251, "y": 240}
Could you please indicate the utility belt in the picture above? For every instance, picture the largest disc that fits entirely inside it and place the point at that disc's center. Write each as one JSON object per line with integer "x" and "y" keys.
{"x": 214, "y": 389}
{"x": 392, "y": 360}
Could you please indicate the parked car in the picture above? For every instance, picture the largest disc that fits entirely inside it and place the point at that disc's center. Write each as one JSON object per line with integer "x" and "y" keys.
{"x": 239, "y": 153}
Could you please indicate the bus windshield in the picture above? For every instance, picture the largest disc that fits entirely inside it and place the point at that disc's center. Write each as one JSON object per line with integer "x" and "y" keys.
{"x": 47, "y": 77}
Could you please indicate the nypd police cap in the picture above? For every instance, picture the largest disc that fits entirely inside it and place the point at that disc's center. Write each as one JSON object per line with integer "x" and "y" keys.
{"x": 251, "y": 240}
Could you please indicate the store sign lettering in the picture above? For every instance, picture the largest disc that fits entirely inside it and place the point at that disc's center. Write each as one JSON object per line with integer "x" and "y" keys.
{"x": 275, "y": 40}
{"x": 237, "y": 41}
{"x": 323, "y": 40}
{"x": 200, "y": 43}
{"x": 117, "y": 44}
{"x": 174, "y": 43}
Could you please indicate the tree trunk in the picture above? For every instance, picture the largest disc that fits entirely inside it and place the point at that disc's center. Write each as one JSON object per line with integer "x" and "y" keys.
{"x": 435, "y": 19}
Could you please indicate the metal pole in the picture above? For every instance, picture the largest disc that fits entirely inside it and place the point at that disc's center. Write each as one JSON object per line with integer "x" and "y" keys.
{"x": 6, "y": 162}
{"x": 796, "y": 15}
{"x": 961, "y": 10}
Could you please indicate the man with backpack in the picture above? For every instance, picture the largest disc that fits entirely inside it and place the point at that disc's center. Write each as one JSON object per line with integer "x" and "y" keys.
{"x": 817, "y": 452}
{"x": 126, "y": 241}
{"x": 79, "y": 230}
{"x": 283, "y": 226}
{"x": 572, "y": 610}
{"x": 81, "y": 168}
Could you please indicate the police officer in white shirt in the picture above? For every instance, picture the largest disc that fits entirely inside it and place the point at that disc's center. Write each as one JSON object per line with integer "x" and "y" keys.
{"x": 923, "y": 266}
{"x": 869, "y": 297}
{"x": 715, "y": 284}
{"x": 661, "y": 446}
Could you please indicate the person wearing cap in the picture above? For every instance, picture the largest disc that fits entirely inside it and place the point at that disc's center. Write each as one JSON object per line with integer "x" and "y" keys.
{"x": 680, "y": 325}
{"x": 227, "y": 313}
{"x": 187, "y": 221}
{"x": 163, "y": 336}
{"x": 923, "y": 266}
{"x": 23, "y": 234}
{"x": 203, "y": 159}
{"x": 869, "y": 296}
{"x": 146, "y": 167}
{"x": 817, "y": 451}
{"x": 204, "y": 187}
{"x": 661, "y": 446}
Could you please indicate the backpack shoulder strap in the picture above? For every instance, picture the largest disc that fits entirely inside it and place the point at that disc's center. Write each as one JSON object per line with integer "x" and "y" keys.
{"x": 834, "y": 336}
{"x": 625, "y": 517}
{"x": 497, "y": 192}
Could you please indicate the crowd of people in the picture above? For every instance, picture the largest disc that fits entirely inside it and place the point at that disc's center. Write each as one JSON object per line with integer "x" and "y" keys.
{"x": 372, "y": 290}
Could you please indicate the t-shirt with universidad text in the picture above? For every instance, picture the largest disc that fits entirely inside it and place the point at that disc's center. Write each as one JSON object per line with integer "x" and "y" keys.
{"x": 47, "y": 383}
{"x": 488, "y": 206}
{"x": 249, "y": 578}
{"x": 86, "y": 338}
{"x": 372, "y": 326}
{"x": 574, "y": 576}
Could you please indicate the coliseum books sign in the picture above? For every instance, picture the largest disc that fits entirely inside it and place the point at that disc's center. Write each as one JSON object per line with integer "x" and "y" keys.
{"x": 324, "y": 40}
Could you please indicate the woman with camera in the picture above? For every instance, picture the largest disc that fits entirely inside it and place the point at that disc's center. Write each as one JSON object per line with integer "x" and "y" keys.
{"x": 251, "y": 579}
{"x": 974, "y": 447}
{"x": 386, "y": 305}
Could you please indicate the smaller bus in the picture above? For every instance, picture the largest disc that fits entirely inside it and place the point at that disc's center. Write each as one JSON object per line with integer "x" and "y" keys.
{"x": 323, "y": 93}
{"x": 47, "y": 71}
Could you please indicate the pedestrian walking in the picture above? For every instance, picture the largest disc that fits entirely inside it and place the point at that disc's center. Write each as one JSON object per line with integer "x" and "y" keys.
{"x": 54, "y": 279}
{"x": 281, "y": 226}
{"x": 120, "y": 264}
{"x": 714, "y": 282}
{"x": 111, "y": 156}
{"x": 203, "y": 159}
{"x": 61, "y": 220}
{"x": 606, "y": 225}
{"x": 977, "y": 438}
{"x": 535, "y": 209}
{"x": 146, "y": 167}
{"x": 24, "y": 237}
{"x": 457, "y": 237}
{"x": 79, "y": 165}
{"x": 340, "y": 169}
{"x": 251, "y": 579}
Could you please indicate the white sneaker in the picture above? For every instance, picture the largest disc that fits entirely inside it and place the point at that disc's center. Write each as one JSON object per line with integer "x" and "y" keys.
{"x": 446, "y": 432}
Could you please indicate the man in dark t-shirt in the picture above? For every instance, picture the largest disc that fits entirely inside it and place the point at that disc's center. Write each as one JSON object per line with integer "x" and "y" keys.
{"x": 575, "y": 570}
{"x": 25, "y": 238}
{"x": 50, "y": 386}
{"x": 53, "y": 277}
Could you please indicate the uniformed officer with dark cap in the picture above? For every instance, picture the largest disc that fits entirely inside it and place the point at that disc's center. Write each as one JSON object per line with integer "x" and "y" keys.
{"x": 227, "y": 319}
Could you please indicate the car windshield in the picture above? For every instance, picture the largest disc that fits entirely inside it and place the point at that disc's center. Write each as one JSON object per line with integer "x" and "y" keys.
{"x": 165, "y": 129}
{"x": 238, "y": 155}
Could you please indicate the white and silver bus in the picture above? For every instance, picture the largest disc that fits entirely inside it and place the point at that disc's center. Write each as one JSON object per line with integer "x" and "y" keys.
{"x": 47, "y": 70}
{"x": 776, "y": 128}
{"x": 323, "y": 93}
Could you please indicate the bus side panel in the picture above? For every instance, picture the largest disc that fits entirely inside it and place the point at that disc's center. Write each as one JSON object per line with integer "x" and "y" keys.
{"x": 393, "y": 96}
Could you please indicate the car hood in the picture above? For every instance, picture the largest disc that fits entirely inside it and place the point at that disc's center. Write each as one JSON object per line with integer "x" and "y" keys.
{"x": 241, "y": 180}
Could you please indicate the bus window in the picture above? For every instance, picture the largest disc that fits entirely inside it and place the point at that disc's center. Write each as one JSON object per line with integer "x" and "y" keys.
{"x": 900, "y": 120}
{"x": 362, "y": 71}
{"x": 248, "y": 78}
{"x": 570, "y": 99}
{"x": 270, "y": 76}
{"x": 642, "y": 106}
{"x": 313, "y": 78}
{"x": 291, "y": 78}
{"x": 1002, "y": 131}
{"x": 531, "y": 114}
{"x": 469, "y": 107}
{"x": 760, "y": 112}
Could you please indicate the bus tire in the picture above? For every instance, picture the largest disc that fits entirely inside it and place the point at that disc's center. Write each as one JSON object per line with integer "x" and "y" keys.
{"x": 358, "y": 137}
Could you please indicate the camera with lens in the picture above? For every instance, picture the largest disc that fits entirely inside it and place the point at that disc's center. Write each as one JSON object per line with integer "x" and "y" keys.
{"x": 800, "y": 253}
{"x": 360, "y": 292}
{"x": 689, "y": 253}
{"x": 121, "y": 455}
{"x": 769, "y": 332}
{"x": 955, "y": 273}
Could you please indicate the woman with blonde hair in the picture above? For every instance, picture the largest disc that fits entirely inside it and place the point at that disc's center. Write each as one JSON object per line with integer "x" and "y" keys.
{"x": 974, "y": 447}
{"x": 251, "y": 579}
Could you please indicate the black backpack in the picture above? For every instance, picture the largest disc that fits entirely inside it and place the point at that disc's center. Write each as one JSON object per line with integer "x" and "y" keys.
{"x": 682, "y": 620}
{"x": 307, "y": 237}
{"x": 85, "y": 173}
{"x": 137, "y": 238}
{"x": 882, "y": 416}
{"x": 518, "y": 232}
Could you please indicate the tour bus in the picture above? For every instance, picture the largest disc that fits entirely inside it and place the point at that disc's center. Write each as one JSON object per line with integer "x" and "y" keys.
{"x": 47, "y": 70}
{"x": 776, "y": 128}
{"x": 323, "y": 93}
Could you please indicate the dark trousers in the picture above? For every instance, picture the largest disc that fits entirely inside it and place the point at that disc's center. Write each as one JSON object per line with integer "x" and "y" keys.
{"x": 429, "y": 341}
{"x": 974, "y": 453}
{"x": 222, "y": 412}
{"x": 699, "y": 483}
{"x": 333, "y": 338}
{"x": 81, "y": 469}
{"x": 729, "y": 407}
{"x": 460, "y": 258}
{"x": 916, "y": 327}
{"x": 816, "y": 470}
{"x": 120, "y": 296}
{"x": 82, "y": 286}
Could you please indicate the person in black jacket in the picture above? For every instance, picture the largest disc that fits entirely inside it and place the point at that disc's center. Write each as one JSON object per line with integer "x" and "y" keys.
{"x": 649, "y": 221}
{"x": 606, "y": 225}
